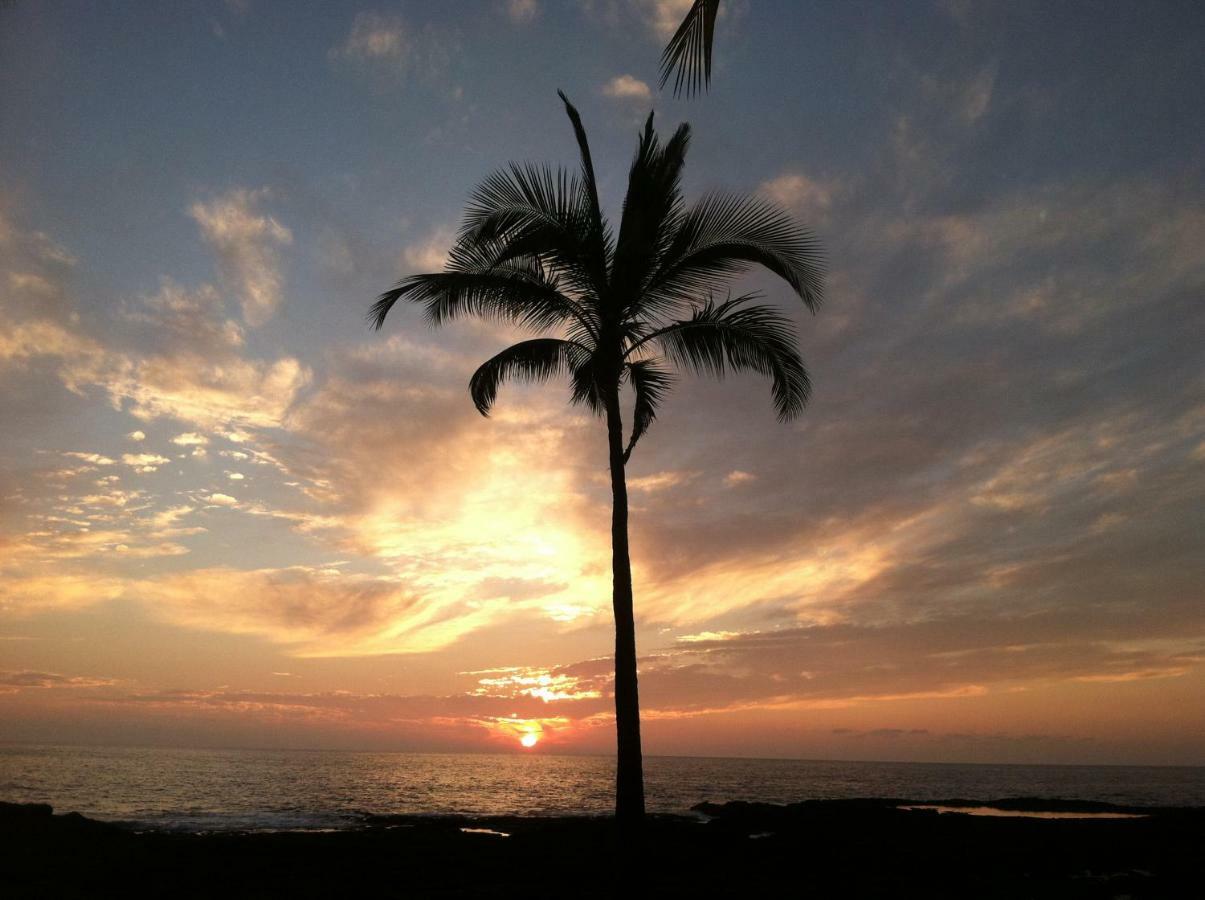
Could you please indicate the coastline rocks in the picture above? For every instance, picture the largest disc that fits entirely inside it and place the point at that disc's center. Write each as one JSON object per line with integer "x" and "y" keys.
{"x": 24, "y": 812}
{"x": 829, "y": 848}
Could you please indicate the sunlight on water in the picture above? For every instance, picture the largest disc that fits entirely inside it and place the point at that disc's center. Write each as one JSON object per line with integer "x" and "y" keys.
{"x": 1024, "y": 814}
{"x": 285, "y": 789}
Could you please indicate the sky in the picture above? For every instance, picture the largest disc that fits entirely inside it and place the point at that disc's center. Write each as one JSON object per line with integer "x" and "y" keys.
{"x": 233, "y": 515}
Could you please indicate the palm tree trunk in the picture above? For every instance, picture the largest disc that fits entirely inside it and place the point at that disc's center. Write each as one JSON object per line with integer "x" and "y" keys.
{"x": 629, "y": 782}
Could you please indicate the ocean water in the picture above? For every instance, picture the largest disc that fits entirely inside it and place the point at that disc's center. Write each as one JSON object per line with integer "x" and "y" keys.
{"x": 213, "y": 790}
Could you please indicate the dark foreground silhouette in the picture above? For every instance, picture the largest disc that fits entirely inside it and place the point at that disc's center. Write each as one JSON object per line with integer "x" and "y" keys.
{"x": 859, "y": 848}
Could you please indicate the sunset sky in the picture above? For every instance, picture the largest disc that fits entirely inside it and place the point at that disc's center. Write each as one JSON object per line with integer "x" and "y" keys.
{"x": 232, "y": 515}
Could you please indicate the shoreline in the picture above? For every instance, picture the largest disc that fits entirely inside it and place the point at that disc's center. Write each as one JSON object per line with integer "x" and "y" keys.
{"x": 702, "y": 813}
{"x": 836, "y": 847}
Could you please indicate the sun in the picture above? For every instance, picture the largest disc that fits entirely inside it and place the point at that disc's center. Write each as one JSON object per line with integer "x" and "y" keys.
{"x": 530, "y": 739}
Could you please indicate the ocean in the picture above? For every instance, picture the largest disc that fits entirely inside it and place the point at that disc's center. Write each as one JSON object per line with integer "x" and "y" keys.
{"x": 217, "y": 790}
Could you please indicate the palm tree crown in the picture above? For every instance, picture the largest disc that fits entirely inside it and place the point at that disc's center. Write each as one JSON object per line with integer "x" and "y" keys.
{"x": 536, "y": 251}
{"x": 626, "y": 308}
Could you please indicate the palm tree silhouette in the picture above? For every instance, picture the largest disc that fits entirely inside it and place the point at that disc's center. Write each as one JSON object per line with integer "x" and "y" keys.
{"x": 536, "y": 251}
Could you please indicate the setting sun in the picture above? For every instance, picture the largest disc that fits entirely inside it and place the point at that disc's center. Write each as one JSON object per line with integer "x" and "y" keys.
{"x": 529, "y": 740}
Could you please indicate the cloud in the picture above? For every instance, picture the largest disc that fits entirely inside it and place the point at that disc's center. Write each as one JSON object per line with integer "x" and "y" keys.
{"x": 95, "y": 459}
{"x": 664, "y": 16}
{"x": 246, "y": 243}
{"x": 188, "y": 363}
{"x": 659, "y": 481}
{"x": 978, "y": 95}
{"x": 808, "y": 199}
{"x": 137, "y": 436}
{"x": 178, "y": 319}
{"x": 947, "y": 657}
{"x": 28, "y": 679}
{"x": 23, "y": 592}
{"x": 429, "y": 254}
{"x": 144, "y": 463}
{"x": 901, "y": 686}
{"x": 548, "y": 685}
{"x": 865, "y": 531}
{"x": 390, "y": 49}
{"x": 521, "y": 11}
{"x": 375, "y": 36}
{"x": 25, "y": 342}
{"x": 420, "y": 721}
{"x": 317, "y": 613}
{"x": 657, "y": 20}
{"x": 35, "y": 273}
{"x": 708, "y": 636}
{"x": 970, "y": 96}
{"x": 455, "y": 511}
{"x": 198, "y": 391}
{"x": 948, "y": 456}
{"x": 626, "y": 87}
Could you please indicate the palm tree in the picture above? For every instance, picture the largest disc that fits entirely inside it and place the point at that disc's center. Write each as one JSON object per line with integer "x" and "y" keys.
{"x": 535, "y": 251}
{"x": 687, "y": 56}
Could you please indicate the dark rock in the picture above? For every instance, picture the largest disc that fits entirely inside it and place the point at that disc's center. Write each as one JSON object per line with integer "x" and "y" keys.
{"x": 23, "y": 812}
{"x": 822, "y": 848}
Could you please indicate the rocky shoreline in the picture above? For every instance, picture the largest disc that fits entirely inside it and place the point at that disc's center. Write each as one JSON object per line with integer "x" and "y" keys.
{"x": 848, "y": 848}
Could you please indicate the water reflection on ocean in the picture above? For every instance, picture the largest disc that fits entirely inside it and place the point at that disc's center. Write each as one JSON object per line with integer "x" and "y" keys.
{"x": 286, "y": 789}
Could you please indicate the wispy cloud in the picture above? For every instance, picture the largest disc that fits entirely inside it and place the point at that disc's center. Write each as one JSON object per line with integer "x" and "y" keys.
{"x": 807, "y": 198}
{"x": 391, "y": 49}
{"x": 664, "y": 16}
{"x": 429, "y": 254}
{"x": 521, "y": 11}
{"x": 376, "y": 36}
{"x": 246, "y": 242}
{"x": 21, "y": 680}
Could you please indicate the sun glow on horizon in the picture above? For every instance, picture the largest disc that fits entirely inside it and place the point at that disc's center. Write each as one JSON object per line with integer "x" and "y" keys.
{"x": 528, "y": 732}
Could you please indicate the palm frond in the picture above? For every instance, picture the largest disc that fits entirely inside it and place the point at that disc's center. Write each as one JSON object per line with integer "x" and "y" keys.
{"x": 588, "y": 384}
{"x": 583, "y": 144}
{"x": 733, "y": 336}
{"x": 505, "y": 294}
{"x": 722, "y": 236}
{"x": 651, "y": 210}
{"x": 537, "y": 210}
{"x": 522, "y": 194}
{"x": 650, "y": 383}
{"x": 687, "y": 56}
{"x": 536, "y": 360}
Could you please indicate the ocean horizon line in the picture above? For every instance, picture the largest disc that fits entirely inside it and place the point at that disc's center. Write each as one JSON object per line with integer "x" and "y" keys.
{"x": 517, "y": 754}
